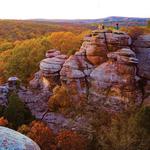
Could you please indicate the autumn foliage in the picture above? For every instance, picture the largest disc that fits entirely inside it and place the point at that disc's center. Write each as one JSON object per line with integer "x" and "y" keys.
{"x": 60, "y": 100}
{"x": 40, "y": 133}
{"x": 69, "y": 140}
{"x": 3, "y": 122}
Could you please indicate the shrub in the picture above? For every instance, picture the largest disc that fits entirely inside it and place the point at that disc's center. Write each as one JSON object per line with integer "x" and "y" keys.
{"x": 60, "y": 101}
{"x": 3, "y": 122}
{"x": 69, "y": 140}
{"x": 143, "y": 119}
{"x": 40, "y": 133}
{"x": 17, "y": 112}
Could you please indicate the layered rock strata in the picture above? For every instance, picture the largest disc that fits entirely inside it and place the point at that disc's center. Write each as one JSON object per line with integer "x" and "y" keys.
{"x": 113, "y": 83}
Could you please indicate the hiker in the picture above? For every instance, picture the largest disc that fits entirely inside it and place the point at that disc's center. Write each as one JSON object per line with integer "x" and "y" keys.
{"x": 117, "y": 26}
{"x": 103, "y": 27}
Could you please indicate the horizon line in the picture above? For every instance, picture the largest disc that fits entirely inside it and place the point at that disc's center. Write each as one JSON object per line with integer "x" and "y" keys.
{"x": 71, "y": 18}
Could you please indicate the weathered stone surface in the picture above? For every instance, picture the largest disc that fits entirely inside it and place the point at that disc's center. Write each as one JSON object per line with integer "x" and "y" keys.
{"x": 3, "y": 95}
{"x": 143, "y": 41}
{"x": 142, "y": 50}
{"x": 36, "y": 82}
{"x": 12, "y": 140}
{"x": 143, "y": 55}
{"x": 52, "y": 53}
{"x": 113, "y": 83}
{"x": 35, "y": 100}
{"x": 76, "y": 67}
{"x": 75, "y": 73}
{"x": 50, "y": 68}
{"x": 51, "y": 65}
{"x": 99, "y": 43}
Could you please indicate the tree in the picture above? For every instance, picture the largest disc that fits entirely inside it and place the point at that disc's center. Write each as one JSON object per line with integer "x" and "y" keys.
{"x": 60, "y": 100}
{"x": 17, "y": 113}
{"x": 26, "y": 56}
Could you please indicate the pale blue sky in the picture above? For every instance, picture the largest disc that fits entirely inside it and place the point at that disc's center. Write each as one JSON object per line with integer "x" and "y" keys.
{"x": 73, "y": 9}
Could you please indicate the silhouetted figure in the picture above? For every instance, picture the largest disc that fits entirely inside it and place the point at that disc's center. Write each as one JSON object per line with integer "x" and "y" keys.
{"x": 117, "y": 26}
{"x": 103, "y": 27}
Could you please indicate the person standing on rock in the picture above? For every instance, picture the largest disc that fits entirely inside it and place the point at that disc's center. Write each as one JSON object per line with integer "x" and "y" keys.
{"x": 101, "y": 27}
{"x": 117, "y": 26}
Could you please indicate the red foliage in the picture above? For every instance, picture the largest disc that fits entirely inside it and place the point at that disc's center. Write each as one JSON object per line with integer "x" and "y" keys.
{"x": 69, "y": 140}
{"x": 41, "y": 134}
{"x": 3, "y": 122}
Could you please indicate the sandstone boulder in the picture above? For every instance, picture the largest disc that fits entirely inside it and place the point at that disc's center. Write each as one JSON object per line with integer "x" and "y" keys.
{"x": 12, "y": 140}
{"x": 50, "y": 68}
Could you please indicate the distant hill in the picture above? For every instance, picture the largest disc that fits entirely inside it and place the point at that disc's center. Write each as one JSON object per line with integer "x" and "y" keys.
{"x": 123, "y": 21}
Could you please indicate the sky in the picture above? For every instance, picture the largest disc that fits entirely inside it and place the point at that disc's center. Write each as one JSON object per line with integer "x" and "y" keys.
{"x": 73, "y": 9}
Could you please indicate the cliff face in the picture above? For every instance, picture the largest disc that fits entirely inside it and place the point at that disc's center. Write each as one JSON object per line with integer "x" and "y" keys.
{"x": 105, "y": 70}
{"x": 142, "y": 48}
{"x": 113, "y": 83}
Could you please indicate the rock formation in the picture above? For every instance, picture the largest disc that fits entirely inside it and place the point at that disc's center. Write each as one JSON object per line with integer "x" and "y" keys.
{"x": 103, "y": 71}
{"x": 113, "y": 83}
{"x": 10, "y": 139}
{"x": 50, "y": 67}
{"x": 142, "y": 49}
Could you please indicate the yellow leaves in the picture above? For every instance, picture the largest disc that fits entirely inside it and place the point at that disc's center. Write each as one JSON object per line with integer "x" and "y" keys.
{"x": 67, "y": 41}
{"x": 60, "y": 99}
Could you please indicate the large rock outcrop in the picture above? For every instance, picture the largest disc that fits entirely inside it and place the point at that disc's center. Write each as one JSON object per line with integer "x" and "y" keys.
{"x": 142, "y": 49}
{"x": 99, "y": 43}
{"x": 75, "y": 74}
{"x": 113, "y": 83}
{"x": 105, "y": 72}
{"x": 94, "y": 73}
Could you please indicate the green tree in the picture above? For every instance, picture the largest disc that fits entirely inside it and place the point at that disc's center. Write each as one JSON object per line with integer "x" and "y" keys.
{"x": 17, "y": 112}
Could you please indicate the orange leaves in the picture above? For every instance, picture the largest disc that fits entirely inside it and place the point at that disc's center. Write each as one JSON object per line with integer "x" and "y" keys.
{"x": 69, "y": 140}
{"x": 67, "y": 42}
{"x": 44, "y": 137}
{"x": 3, "y": 122}
{"x": 40, "y": 133}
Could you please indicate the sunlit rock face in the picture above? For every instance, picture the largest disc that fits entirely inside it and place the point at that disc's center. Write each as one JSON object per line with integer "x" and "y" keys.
{"x": 113, "y": 83}
{"x": 75, "y": 73}
{"x": 100, "y": 42}
{"x": 12, "y": 140}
